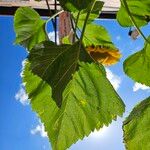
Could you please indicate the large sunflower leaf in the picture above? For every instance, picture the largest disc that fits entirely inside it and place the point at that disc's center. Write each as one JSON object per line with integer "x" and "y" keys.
{"x": 137, "y": 65}
{"x": 97, "y": 35}
{"x": 140, "y": 10}
{"x": 137, "y": 127}
{"x": 89, "y": 102}
{"x": 55, "y": 64}
{"x": 29, "y": 27}
{"x": 75, "y": 5}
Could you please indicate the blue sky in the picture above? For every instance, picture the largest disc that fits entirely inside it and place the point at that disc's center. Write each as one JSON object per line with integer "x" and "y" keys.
{"x": 20, "y": 128}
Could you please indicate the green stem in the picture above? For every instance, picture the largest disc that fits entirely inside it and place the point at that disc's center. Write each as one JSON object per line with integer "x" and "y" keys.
{"x": 85, "y": 23}
{"x": 83, "y": 30}
{"x": 84, "y": 26}
{"x": 76, "y": 25}
{"x": 133, "y": 21}
{"x": 72, "y": 25}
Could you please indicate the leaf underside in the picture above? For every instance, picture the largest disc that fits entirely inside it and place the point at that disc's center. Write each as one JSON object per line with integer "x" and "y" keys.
{"x": 29, "y": 27}
{"x": 137, "y": 127}
{"x": 140, "y": 10}
{"x": 97, "y": 35}
{"x": 137, "y": 65}
{"x": 56, "y": 64}
{"x": 89, "y": 102}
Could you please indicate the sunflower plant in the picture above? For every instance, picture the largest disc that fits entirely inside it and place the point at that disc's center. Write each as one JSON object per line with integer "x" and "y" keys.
{"x": 66, "y": 82}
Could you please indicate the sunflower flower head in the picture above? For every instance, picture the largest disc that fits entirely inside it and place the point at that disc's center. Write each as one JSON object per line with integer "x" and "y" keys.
{"x": 104, "y": 55}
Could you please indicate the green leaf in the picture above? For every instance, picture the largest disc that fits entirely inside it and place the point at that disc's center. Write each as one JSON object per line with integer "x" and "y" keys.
{"x": 66, "y": 40}
{"x": 55, "y": 64}
{"x": 93, "y": 15}
{"x": 89, "y": 102}
{"x": 29, "y": 27}
{"x": 137, "y": 65}
{"x": 75, "y": 5}
{"x": 137, "y": 127}
{"x": 140, "y": 10}
{"x": 97, "y": 35}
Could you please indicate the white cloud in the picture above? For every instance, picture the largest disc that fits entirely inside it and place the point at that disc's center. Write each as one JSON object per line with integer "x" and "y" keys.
{"x": 114, "y": 79}
{"x": 138, "y": 86}
{"x": 51, "y": 36}
{"x": 23, "y": 65}
{"x": 22, "y": 96}
{"x": 39, "y": 129}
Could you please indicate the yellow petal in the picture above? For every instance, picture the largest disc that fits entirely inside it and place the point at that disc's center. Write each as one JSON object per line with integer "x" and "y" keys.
{"x": 104, "y": 55}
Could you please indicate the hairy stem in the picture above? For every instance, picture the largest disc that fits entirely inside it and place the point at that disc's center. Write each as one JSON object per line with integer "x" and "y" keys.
{"x": 84, "y": 26}
{"x": 85, "y": 23}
